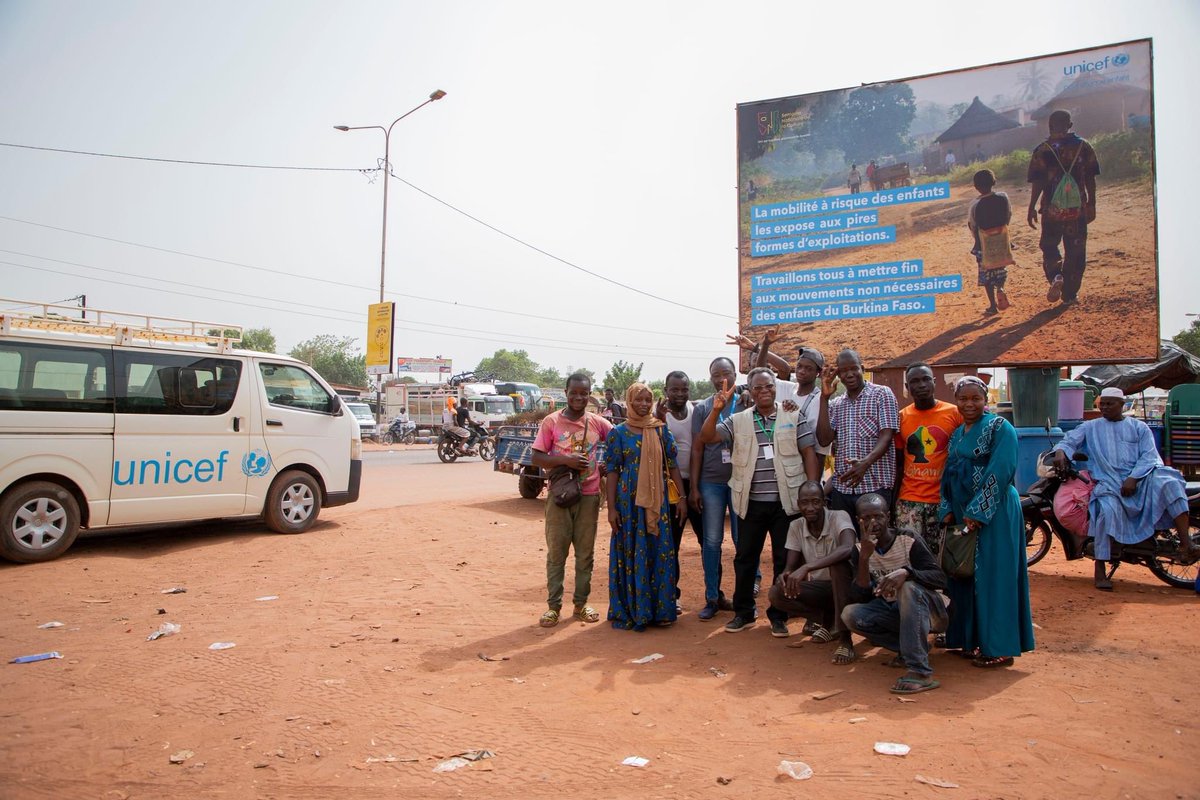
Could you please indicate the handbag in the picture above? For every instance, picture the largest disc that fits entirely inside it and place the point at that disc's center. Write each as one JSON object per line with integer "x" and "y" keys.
{"x": 672, "y": 490}
{"x": 958, "y": 553}
{"x": 565, "y": 488}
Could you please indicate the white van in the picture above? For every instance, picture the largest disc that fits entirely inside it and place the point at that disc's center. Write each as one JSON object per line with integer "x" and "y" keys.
{"x": 365, "y": 417}
{"x": 110, "y": 423}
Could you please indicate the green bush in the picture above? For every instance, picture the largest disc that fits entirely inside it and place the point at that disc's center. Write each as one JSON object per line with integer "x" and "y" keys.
{"x": 1127, "y": 154}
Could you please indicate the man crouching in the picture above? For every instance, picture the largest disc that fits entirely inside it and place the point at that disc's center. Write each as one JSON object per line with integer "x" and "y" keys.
{"x": 897, "y": 587}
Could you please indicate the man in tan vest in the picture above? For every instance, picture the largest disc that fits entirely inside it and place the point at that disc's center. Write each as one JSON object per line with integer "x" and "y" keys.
{"x": 772, "y": 456}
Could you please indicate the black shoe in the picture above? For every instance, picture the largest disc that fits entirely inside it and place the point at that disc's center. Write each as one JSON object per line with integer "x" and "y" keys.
{"x": 779, "y": 629}
{"x": 724, "y": 604}
{"x": 738, "y": 624}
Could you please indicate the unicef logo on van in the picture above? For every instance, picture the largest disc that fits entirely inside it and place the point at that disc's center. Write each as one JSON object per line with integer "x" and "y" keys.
{"x": 1120, "y": 59}
{"x": 256, "y": 463}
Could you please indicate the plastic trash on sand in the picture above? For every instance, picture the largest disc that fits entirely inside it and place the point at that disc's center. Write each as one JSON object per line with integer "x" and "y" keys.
{"x": 166, "y": 629}
{"x": 221, "y": 645}
{"x": 892, "y": 748}
{"x": 636, "y": 761}
{"x": 175, "y": 590}
{"x": 38, "y": 657}
{"x": 795, "y": 769}
{"x": 463, "y": 760}
{"x": 47, "y": 625}
{"x": 647, "y": 659}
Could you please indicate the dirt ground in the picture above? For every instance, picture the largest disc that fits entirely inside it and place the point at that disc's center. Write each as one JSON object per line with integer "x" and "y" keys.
{"x": 1115, "y": 320}
{"x": 368, "y": 671}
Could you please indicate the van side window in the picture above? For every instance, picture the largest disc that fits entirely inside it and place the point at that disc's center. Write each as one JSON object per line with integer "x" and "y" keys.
{"x": 171, "y": 383}
{"x": 291, "y": 387}
{"x": 38, "y": 377}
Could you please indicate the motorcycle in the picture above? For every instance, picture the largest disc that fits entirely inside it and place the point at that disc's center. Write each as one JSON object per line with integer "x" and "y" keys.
{"x": 451, "y": 447}
{"x": 401, "y": 432}
{"x": 1158, "y": 552}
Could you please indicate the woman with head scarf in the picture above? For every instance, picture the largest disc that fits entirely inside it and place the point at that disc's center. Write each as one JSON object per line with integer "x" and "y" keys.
{"x": 990, "y": 620}
{"x": 639, "y": 460}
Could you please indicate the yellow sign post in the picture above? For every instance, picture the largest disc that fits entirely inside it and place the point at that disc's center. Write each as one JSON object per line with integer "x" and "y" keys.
{"x": 380, "y": 318}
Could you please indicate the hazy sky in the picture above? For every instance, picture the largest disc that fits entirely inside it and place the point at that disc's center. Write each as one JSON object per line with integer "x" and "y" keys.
{"x": 603, "y": 134}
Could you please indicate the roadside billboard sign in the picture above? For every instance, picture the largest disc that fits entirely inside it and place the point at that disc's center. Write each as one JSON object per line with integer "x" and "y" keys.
{"x": 853, "y": 210}
{"x": 440, "y": 366}
{"x": 380, "y": 320}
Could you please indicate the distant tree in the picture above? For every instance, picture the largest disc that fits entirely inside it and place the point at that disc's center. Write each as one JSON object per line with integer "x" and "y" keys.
{"x": 334, "y": 359}
{"x": 572, "y": 370}
{"x": 260, "y": 339}
{"x": 875, "y": 121}
{"x": 408, "y": 379}
{"x": 1033, "y": 82}
{"x": 658, "y": 388}
{"x": 621, "y": 375}
{"x": 510, "y": 365}
{"x": 550, "y": 377}
{"x": 1189, "y": 338}
{"x": 701, "y": 389}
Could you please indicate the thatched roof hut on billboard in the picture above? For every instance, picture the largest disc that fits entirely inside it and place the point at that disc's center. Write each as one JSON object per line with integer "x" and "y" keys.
{"x": 978, "y": 134}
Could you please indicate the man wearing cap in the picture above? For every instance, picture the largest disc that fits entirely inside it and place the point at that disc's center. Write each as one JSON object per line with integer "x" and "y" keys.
{"x": 1062, "y": 154}
{"x": 1135, "y": 494}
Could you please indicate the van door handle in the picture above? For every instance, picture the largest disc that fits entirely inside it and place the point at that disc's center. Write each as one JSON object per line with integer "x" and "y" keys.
{"x": 274, "y": 423}
{"x": 237, "y": 424}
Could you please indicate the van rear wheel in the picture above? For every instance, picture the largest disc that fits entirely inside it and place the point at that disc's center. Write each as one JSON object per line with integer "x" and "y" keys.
{"x": 293, "y": 502}
{"x": 39, "y": 520}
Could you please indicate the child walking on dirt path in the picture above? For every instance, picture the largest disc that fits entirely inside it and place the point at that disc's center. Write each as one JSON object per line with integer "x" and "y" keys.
{"x": 988, "y": 220}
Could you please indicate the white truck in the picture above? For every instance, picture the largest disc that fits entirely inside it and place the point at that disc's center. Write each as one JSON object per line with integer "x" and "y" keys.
{"x": 424, "y": 403}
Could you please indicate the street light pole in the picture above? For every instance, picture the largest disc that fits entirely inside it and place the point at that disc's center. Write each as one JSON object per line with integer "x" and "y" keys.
{"x": 387, "y": 165}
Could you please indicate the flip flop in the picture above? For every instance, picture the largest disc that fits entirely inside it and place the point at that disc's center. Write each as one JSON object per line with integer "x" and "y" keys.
{"x": 822, "y": 635}
{"x": 549, "y": 619}
{"x": 844, "y": 655}
{"x": 907, "y": 685}
{"x": 992, "y": 662}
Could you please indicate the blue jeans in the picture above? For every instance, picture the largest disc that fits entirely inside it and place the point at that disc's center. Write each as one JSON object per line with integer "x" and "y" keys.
{"x": 902, "y": 626}
{"x": 717, "y": 497}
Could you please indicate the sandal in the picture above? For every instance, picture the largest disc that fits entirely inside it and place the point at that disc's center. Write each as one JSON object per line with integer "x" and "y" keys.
{"x": 992, "y": 662}
{"x": 844, "y": 655}
{"x": 586, "y": 614}
{"x": 549, "y": 619}
{"x": 940, "y": 640}
{"x": 910, "y": 685}
{"x": 972, "y": 654}
{"x": 810, "y": 628}
{"x": 822, "y": 635}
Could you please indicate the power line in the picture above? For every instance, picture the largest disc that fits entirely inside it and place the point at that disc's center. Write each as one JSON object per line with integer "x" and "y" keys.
{"x": 357, "y": 319}
{"x": 184, "y": 161}
{"x": 550, "y": 255}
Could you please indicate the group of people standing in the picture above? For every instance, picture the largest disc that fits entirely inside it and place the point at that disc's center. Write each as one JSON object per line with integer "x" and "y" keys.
{"x": 917, "y": 529}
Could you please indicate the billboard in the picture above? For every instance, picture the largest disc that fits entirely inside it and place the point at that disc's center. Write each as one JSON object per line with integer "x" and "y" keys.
{"x": 853, "y": 211}
{"x": 441, "y": 366}
{"x": 380, "y": 319}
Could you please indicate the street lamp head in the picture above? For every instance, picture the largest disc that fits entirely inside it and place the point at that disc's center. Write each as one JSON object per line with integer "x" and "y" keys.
{"x": 341, "y": 127}
{"x": 437, "y": 94}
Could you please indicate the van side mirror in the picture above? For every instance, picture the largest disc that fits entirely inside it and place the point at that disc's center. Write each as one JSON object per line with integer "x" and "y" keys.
{"x": 335, "y": 406}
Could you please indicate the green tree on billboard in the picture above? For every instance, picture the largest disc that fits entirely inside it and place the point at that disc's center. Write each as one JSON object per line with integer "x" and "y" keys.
{"x": 875, "y": 121}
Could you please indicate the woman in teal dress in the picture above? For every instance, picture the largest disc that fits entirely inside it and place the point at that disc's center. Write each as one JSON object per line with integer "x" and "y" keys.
{"x": 990, "y": 619}
{"x": 639, "y": 453}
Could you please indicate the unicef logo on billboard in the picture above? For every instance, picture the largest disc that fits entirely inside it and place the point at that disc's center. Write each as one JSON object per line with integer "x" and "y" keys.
{"x": 1120, "y": 59}
{"x": 256, "y": 463}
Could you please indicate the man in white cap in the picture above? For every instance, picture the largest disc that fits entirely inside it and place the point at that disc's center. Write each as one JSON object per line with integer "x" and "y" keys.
{"x": 1135, "y": 495}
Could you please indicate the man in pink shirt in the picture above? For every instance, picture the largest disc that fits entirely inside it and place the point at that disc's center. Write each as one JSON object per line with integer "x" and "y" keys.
{"x": 571, "y": 438}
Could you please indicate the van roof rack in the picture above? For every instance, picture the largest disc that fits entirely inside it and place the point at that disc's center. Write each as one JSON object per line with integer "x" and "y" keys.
{"x": 125, "y": 327}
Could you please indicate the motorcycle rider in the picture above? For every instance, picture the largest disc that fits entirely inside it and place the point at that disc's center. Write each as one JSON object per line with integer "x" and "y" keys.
{"x": 1135, "y": 494}
{"x": 454, "y": 419}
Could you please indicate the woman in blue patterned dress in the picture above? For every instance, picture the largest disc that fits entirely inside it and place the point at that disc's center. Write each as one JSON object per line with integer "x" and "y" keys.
{"x": 639, "y": 454}
{"x": 990, "y": 619}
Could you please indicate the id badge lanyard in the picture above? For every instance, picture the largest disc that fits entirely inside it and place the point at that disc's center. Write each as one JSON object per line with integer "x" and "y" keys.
{"x": 768, "y": 449}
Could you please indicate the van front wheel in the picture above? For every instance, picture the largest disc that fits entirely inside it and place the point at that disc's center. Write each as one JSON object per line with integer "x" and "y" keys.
{"x": 293, "y": 502}
{"x": 38, "y": 521}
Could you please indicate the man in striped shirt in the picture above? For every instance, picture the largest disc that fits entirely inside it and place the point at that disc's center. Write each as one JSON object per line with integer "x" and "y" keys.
{"x": 897, "y": 589}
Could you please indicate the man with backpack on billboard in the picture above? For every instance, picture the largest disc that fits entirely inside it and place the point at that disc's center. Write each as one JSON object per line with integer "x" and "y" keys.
{"x": 1062, "y": 171}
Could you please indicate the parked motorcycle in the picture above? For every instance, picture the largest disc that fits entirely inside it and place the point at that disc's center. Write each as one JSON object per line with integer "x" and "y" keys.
{"x": 400, "y": 431}
{"x": 1158, "y": 552}
{"x": 451, "y": 447}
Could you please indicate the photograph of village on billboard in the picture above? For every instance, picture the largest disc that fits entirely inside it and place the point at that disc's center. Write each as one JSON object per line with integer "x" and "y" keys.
{"x": 1000, "y": 215}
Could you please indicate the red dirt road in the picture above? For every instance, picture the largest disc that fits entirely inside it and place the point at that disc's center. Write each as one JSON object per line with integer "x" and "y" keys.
{"x": 365, "y": 673}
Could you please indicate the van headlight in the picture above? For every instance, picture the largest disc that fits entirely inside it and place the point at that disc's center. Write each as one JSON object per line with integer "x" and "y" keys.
{"x": 356, "y": 449}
